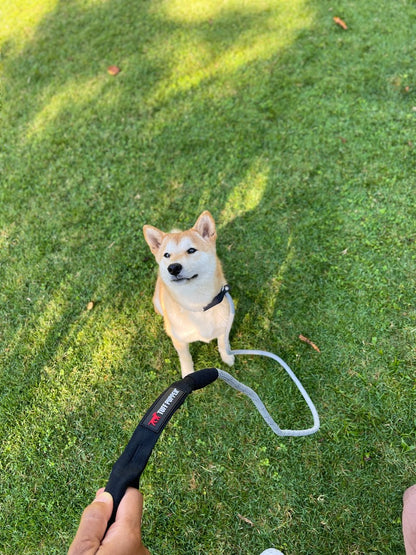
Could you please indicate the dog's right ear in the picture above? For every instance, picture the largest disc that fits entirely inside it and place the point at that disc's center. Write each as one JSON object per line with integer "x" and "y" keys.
{"x": 154, "y": 237}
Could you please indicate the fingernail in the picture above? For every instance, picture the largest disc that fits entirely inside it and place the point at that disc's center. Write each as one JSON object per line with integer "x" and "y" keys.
{"x": 104, "y": 497}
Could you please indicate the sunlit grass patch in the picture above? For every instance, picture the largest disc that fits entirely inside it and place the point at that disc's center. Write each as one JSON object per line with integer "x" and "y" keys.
{"x": 222, "y": 37}
{"x": 247, "y": 195}
{"x": 76, "y": 92}
{"x": 19, "y": 20}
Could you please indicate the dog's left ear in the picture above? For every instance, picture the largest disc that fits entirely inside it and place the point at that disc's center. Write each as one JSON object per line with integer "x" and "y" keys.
{"x": 205, "y": 226}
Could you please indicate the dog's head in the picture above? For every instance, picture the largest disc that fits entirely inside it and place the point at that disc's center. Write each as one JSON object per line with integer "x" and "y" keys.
{"x": 184, "y": 256}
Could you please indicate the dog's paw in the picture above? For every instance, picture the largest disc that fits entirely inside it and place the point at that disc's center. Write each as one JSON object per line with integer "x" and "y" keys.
{"x": 187, "y": 367}
{"x": 228, "y": 359}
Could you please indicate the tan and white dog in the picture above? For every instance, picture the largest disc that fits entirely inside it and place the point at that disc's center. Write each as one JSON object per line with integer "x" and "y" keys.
{"x": 190, "y": 278}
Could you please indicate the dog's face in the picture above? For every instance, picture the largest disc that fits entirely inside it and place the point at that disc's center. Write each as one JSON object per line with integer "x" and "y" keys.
{"x": 185, "y": 256}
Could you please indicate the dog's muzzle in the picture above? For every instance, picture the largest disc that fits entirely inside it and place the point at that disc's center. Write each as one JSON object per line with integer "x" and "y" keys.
{"x": 175, "y": 269}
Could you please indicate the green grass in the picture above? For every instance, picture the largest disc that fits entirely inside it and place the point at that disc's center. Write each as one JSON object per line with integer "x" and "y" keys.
{"x": 300, "y": 138}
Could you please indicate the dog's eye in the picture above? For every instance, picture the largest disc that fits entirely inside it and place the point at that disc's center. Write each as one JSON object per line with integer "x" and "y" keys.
{"x": 166, "y": 255}
{"x": 191, "y": 250}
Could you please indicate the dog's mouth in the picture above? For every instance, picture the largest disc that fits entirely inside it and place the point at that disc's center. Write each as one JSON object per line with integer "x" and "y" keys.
{"x": 181, "y": 278}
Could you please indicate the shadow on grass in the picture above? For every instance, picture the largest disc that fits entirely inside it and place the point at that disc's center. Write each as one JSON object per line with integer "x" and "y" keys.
{"x": 101, "y": 153}
{"x": 256, "y": 133}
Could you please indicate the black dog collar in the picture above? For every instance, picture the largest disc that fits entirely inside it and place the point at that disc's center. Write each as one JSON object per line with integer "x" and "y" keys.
{"x": 218, "y": 298}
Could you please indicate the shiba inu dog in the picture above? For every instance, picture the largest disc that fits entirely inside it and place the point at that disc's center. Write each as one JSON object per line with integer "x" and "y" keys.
{"x": 189, "y": 288}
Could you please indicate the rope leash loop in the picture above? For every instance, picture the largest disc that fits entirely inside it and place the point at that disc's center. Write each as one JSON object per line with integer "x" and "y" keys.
{"x": 253, "y": 395}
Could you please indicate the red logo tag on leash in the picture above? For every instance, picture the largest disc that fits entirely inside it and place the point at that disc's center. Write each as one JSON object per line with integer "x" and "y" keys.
{"x": 154, "y": 420}
{"x": 163, "y": 408}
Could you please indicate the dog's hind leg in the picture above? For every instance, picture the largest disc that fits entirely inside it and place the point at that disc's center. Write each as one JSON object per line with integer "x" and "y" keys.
{"x": 185, "y": 358}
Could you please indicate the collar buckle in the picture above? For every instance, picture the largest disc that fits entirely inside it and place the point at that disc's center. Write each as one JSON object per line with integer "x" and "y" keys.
{"x": 218, "y": 298}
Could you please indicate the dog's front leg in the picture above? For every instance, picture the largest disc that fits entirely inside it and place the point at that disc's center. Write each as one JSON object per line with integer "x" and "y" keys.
{"x": 226, "y": 356}
{"x": 185, "y": 358}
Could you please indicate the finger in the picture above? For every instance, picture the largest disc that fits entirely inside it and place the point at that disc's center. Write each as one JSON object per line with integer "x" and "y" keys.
{"x": 131, "y": 508}
{"x": 93, "y": 525}
{"x": 124, "y": 535}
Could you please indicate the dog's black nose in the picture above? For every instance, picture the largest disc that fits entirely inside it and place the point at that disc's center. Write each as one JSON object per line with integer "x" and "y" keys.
{"x": 175, "y": 269}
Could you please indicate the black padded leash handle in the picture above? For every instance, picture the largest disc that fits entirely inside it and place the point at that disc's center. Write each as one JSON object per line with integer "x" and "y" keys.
{"x": 130, "y": 465}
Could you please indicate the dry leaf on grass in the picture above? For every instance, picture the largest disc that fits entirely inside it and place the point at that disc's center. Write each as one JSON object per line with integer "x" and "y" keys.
{"x": 340, "y": 22}
{"x": 244, "y": 519}
{"x": 113, "y": 70}
{"x": 309, "y": 342}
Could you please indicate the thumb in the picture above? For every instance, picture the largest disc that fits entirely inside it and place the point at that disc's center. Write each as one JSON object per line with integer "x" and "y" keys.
{"x": 93, "y": 525}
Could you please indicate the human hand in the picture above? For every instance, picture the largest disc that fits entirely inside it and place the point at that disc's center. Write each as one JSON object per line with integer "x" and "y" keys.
{"x": 124, "y": 535}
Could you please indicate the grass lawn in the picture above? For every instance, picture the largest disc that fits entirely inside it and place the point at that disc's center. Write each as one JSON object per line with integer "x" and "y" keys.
{"x": 299, "y": 137}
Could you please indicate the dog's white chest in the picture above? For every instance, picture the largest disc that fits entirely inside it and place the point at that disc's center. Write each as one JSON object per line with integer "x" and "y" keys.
{"x": 199, "y": 326}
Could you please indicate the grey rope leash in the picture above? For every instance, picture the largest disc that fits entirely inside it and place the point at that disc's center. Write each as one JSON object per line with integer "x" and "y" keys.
{"x": 251, "y": 394}
{"x": 231, "y": 381}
